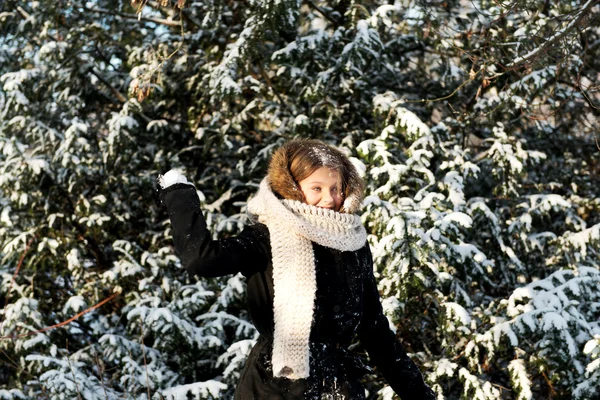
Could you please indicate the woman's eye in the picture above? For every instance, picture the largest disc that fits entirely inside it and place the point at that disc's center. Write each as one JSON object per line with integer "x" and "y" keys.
{"x": 317, "y": 189}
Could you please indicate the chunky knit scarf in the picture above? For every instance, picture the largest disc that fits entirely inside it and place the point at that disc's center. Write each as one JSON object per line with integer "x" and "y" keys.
{"x": 293, "y": 225}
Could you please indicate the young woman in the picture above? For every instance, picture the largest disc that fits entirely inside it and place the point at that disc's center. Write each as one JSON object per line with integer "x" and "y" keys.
{"x": 309, "y": 271}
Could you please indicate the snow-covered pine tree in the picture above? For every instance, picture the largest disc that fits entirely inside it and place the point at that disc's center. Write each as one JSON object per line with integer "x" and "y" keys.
{"x": 472, "y": 123}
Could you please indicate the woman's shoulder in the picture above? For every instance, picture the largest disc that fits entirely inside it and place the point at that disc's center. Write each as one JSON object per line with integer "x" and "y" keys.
{"x": 257, "y": 229}
{"x": 254, "y": 240}
{"x": 255, "y": 233}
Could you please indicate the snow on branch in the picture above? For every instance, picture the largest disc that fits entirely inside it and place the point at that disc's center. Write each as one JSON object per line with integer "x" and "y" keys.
{"x": 581, "y": 240}
{"x": 210, "y": 389}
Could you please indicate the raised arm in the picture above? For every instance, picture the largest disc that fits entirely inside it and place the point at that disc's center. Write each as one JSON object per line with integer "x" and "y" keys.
{"x": 386, "y": 352}
{"x": 199, "y": 253}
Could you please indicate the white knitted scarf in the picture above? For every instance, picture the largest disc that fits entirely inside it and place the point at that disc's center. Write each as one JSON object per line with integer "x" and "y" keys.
{"x": 293, "y": 225}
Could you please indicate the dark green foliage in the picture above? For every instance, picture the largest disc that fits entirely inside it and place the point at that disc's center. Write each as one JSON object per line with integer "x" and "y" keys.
{"x": 472, "y": 121}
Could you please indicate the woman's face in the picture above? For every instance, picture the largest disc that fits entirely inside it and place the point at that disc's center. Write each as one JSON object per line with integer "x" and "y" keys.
{"x": 322, "y": 188}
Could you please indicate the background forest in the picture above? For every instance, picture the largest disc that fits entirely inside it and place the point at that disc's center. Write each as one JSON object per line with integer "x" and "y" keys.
{"x": 474, "y": 124}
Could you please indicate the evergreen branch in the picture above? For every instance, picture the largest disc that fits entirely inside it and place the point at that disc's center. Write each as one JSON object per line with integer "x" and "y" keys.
{"x": 277, "y": 94}
{"x": 556, "y": 37}
{"x": 114, "y": 91}
{"x": 95, "y": 249}
{"x": 73, "y": 318}
{"x": 14, "y": 365}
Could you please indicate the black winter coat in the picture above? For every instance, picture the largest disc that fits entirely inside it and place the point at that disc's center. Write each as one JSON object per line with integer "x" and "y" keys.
{"x": 347, "y": 304}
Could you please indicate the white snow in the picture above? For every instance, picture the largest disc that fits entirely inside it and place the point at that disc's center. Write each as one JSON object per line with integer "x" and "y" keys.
{"x": 301, "y": 119}
{"x": 171, "y": 178}
{"x": 455, "y": 311}
{"x": 520, "y": 379}
{"x": 75, "y": 303}
{"x": 201, "y": 390}
{"x": 444, "y": 367}
{"x": 581, "y": 240}
{"x": 458, "y": 217}
{"x": 11, "y": 394}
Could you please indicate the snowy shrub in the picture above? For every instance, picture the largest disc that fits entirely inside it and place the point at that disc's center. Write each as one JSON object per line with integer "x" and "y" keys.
{"x": 472, "y": 124}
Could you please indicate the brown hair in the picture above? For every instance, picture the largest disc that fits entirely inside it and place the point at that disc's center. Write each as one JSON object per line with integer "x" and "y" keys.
{"x": 297, "y": 159}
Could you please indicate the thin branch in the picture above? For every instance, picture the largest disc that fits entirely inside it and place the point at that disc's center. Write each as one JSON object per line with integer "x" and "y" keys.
{"x": 14, "y": 277}
{"x": 49, "y": 328}
{"x": 161, "y": 21}
{"x": 552, "y": 390}
{"x": 72, "y": 372}
{"x": 100, "y": 372}
{"x": 23, "y": 13}
{"x": 191, "y": 19}
{"x": 471, "y": 79}
{"x": 501, "y": 387}
{"x": 277, "y": 94}
{"x": 113, "y": 90}
{"x": 583, "y": 92}
{"x": 556, "y": 37}
{"x": 322, "y": 12}
{"x": 186, "y": 16}
{"x": 144, "y": 354}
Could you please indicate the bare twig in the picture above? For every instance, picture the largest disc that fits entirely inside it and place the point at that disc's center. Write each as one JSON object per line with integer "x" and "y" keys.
{"x": 143, "y": 87}
{"x": 579, "y": 87}
{"x": 552, "y": 390}
{"x": 501, "y": 387}
{"x": 23, "y": 13}
{"x": 100, "y": 372}
{"x": 144, "y": 355}
{"x": 72, "y": 373}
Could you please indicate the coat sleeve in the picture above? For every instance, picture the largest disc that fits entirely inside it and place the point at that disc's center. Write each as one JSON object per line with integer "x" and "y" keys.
{"x": 386, "y": 352}
{"x": 199, "y": 253}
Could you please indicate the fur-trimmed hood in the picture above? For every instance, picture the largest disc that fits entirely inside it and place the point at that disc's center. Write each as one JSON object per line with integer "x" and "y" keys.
{"x": 284, "y": 185}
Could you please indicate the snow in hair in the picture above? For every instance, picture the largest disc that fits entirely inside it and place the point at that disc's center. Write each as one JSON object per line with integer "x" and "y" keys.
{"x": 297, "y": 159}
